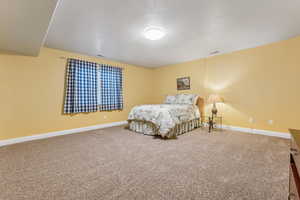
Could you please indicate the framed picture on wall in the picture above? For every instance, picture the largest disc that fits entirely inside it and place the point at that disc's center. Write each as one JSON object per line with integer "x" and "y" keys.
{"x": 183, "y": 83}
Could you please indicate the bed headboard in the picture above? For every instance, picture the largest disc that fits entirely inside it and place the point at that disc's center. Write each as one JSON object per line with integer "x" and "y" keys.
{"x": 200, "y": 104}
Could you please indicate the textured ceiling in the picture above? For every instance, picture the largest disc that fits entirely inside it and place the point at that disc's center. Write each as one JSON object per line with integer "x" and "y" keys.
{"x": 194, "y": 28}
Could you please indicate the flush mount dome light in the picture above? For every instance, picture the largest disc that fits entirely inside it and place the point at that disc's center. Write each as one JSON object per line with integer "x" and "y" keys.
{"x": 154, "y": 33}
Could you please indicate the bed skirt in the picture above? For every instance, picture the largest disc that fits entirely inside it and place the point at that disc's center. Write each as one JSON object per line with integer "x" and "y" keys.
{"x": 149, "y": 128}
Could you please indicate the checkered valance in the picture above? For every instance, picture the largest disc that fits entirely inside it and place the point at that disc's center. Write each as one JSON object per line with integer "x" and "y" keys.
{"x": 91, "y": 87}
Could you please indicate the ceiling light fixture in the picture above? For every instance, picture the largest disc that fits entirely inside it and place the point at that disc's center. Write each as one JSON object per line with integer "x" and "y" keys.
{"x": 154, "y": 33}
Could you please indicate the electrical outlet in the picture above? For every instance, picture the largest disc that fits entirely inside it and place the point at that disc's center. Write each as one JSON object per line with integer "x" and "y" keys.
{"x": 251, "y": 120}
{"x": 270, "y": 122}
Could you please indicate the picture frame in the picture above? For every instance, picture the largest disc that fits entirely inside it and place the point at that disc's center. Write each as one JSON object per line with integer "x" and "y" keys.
{"x": 183, "y": 83}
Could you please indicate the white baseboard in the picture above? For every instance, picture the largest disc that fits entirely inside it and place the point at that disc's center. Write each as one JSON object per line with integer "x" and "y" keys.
{"x": 59, "y": 133}
{"x": 101, "y": 126}
{"x": 258, "y": 131}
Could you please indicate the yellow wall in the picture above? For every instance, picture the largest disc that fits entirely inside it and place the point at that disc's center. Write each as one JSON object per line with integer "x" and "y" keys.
{"x": 262, "y": 83}
{"x": 32, "y": 92}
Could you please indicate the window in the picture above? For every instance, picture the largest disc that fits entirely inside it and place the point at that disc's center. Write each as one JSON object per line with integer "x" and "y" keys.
{"x": 111, "y": 97}
{"x": 91, "y": 87}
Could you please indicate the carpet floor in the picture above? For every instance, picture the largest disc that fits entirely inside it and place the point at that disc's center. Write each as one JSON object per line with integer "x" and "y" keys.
{"x": 116, "y": 163}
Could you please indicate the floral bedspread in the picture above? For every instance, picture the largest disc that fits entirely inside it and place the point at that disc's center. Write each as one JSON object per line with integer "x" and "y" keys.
{"x": 165, "y": 116}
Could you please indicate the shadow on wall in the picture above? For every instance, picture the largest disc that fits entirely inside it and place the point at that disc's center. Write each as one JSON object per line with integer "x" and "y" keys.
{"x": 13, "y": 53}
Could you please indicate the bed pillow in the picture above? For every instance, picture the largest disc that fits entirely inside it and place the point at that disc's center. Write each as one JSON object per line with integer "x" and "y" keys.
{"x": 170, "y": 99}
{"x": 186, "y": 99}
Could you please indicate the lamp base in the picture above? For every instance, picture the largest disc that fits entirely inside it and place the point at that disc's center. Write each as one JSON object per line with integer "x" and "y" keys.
{"x": 214, "y": 109}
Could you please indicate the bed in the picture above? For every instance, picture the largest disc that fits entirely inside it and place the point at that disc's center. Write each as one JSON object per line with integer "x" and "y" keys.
{"x": 177, "y": 115}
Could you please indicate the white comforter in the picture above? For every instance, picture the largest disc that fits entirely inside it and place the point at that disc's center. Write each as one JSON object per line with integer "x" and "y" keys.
{"x": 165, "y": 116}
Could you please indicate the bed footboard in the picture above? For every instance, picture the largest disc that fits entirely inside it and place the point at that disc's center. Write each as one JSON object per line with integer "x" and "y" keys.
{"x": 149, "y": 128}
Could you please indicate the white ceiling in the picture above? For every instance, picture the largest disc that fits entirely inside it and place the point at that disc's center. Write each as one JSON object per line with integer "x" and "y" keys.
{"x": 24, "y": 24}
{"x": 194, "y": 27}
{"x": 114, "y": 28}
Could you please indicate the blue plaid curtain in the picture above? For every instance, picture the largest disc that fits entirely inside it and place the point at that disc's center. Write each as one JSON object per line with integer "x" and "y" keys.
{"x": 81, "y": 88}
{"x": 111, "y": 86}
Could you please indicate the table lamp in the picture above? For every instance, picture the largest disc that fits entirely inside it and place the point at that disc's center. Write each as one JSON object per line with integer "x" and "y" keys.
{"x": 214, "y": 98}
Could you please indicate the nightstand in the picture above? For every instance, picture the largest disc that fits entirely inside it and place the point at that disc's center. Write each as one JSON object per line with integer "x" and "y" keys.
{"x": 213, "y": 122}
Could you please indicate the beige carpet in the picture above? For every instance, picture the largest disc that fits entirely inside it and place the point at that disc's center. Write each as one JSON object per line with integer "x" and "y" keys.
{"x": 115, "y": 163}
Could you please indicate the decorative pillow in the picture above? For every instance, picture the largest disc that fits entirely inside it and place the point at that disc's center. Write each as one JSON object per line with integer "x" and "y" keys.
{"x": 170, "y": 99}
{"x": 186, "y": 99}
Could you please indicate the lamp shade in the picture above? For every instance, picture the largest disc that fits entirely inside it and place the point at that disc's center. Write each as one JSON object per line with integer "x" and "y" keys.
{"x": 214, "y": 98}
